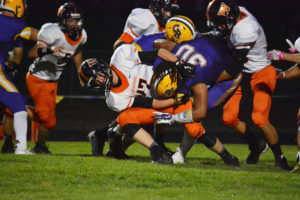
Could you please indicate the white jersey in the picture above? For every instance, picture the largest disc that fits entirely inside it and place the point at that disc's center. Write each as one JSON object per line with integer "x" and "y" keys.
{"x": 297, "y": 44}
{"x": 248, "y": 30}
{"x": 50, "y": 67}
{"x": 135, "y": 78}
{"x": 141, "y": 22}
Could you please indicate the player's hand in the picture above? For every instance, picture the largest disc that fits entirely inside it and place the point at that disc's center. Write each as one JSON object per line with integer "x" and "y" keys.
{"x": 10, "y": 69}
{"x": 186, "y": 69}
{"x": 58, "y": 51}
{"x": 292, "y": 48}
{"x": 163, "y": 118}
{"x": 279, "y": 73}
{"x": 181, "y": 98}
{"x": 275, "y": 55}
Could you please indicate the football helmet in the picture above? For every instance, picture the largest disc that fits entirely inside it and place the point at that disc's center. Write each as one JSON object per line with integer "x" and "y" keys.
{"x": 156, "y": 8}
{"x": 15, "y": 6}
{"x": 89, "y": 69}
{"x": 179, "y": 29}
{"x": 70, "y": 20}
{"x": 165, "y": 80}
{"x": 222, "y": 16}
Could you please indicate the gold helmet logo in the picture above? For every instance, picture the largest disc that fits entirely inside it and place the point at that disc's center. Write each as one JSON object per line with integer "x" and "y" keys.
{"x": 224, "y": 10}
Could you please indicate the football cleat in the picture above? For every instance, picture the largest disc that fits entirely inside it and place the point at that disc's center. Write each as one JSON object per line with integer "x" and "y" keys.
{"x": 231, "y": 160}
{"x": 121, "y": 155}
{"x": 282, "y": 163}
{"x": 178, "y": 157}
{"x": 97, "y": 139}
{"x": 23, "y": 152}
{"x": 296, "y": 169}
{"x": 163, "y": 159}
{"x": 41, "y": 148}
{"x": 255, "y": 151}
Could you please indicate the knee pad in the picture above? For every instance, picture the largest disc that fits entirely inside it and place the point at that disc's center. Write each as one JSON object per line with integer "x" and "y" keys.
{"x": 47, "y": 121}
{"x": 196, "y": 131}
{"x": 131, "y": 129}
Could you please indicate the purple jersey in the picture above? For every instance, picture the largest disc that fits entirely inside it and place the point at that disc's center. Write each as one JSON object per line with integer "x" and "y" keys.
{"x": 11, "y": 28}
{"x": 145, "y": 42}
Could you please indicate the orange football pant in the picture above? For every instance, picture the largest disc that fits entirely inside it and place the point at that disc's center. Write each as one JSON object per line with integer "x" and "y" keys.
{"x": 143, "y": 116}
{"x": 43, "y": 94}
{"x": 262, "y": 85}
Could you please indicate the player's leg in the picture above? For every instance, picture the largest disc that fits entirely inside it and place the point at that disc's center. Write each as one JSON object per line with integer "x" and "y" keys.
{"x": 263, "y": 85}
{"x": 296, "y": 169}
{"x": 131, "y": 121}
{"x": 43, "y": 94}
{"x": 8, "y": 130}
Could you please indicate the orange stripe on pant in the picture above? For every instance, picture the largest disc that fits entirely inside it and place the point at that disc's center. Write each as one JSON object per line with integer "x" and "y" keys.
{"x": 143, "y": 116}
{"x": 43, "y": 94}
{"x": 262, "y": 85}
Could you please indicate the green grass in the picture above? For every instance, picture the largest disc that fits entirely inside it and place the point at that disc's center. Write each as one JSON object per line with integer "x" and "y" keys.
{"x": 71, "y": 173}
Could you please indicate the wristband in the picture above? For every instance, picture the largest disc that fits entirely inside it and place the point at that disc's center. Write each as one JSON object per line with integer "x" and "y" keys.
{"x": 44, "y": 51}
{"x": 184, "y": 117}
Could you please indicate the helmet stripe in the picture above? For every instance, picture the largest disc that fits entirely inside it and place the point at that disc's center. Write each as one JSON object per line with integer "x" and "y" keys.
{"x": 207, "y": 10}
{"x": 185, "y": 22}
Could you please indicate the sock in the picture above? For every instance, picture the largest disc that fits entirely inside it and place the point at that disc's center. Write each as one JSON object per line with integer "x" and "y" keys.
{"x": 7, "y": 138}
{"x": 20, "y": 126}
{"x": 186, "y": 143}
{"x": 224, "y": 153}
{"x": 276, "y": 150}
{"x": 155, "y": 150}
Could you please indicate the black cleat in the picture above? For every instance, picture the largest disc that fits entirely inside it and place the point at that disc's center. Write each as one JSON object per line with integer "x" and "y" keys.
{"x": 8, "y": 146}
{"x": 282, "y": 163}
{"x": 255, "y": 151}
{"x": 121, "y": 155}
{"x": 97, "y": 139}
{"x": 231, "y": 160}
{"x": 165, "y": 158}
{"x": 41, "y": 148}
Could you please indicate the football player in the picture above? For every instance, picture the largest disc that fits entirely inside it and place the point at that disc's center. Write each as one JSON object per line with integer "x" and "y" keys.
{"x": 178, "y": 30}
{"x": 127, "y": 82}
{"x": 14, "y": 28}
{"x": 147, "y": 21}
{"x": 290, "y": 74}
{"x": 57, "y": 44}
{"x": 248, "y": 45}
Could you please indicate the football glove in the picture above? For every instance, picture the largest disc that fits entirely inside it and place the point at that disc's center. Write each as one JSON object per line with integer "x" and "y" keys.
{"x": 186, "y": 69}
{"x": 275, "y": 55}
{"x": 10, "y": 69}
{"x": 181, "y": 98}
{"x": 163, "y": 118}
{"x": 292, "y": 48}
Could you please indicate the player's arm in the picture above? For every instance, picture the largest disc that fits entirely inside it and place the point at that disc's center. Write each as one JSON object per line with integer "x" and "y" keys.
{"x": 165, "y": 44}
{"x": 291, "y": 57}
{"x": 34, "y": 34}
{"x": 16, "y": 56}
{"x": 291, "y": 73}
{"x": 148, "y": 57}
{"x": 78, "y": 60}
{"x": 238, "y": 59}
{"x": 41, "y": 49}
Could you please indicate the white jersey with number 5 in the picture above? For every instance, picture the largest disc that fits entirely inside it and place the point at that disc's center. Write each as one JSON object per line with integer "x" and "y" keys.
{"x": 134, "y": 78}
{"x": 50, "y": 67}
{"x": 248, "y": 30}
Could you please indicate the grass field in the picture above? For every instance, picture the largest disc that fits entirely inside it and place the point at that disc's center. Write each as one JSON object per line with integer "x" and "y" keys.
{"x": 72, "y": 173}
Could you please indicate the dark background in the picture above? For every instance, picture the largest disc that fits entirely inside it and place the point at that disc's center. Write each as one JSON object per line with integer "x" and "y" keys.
{"x": 84, "y": 109}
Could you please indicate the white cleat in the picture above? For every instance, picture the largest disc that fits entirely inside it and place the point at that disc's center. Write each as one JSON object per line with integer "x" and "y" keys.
{"x": 178, "y": 157}
{"x": 23, "y": 152}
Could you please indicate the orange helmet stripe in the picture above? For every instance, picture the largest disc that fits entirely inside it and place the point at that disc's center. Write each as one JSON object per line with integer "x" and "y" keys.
{"x": 207, "y": 10}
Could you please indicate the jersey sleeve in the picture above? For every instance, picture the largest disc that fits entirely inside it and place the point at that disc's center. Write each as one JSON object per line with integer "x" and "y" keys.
{"x": 84, "y": 38}
{"x": 47, "y": 34}
{"x": 244, "y": 34}
{"x": 136, "y": 24}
